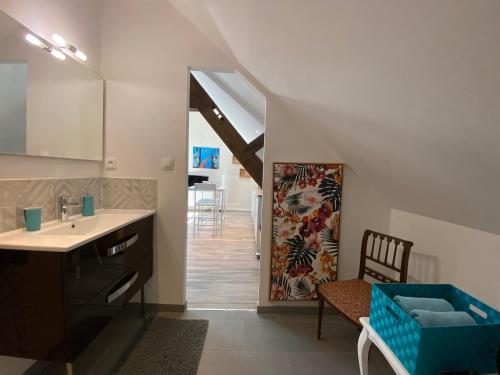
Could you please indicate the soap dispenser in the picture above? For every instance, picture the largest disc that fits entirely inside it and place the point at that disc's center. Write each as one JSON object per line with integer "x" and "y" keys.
{"x": 88, "y": 205}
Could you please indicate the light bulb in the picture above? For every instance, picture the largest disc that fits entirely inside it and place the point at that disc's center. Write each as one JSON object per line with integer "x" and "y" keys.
{"x": 58, "y": 54}
{"x": 80, "y": 55}
{"x": 33, "y": 40}
{"x": 59, "y": 40}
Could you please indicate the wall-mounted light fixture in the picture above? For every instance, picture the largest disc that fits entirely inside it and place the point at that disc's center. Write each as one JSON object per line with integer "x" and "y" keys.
{"x": 58, "y": 54}
{"x": 58, "y": 40}
{"x": 217, "y": 113}
{"x": 34, "y": 40}
{"x": 62, "y": 43}
{"x": 79, "y": 54}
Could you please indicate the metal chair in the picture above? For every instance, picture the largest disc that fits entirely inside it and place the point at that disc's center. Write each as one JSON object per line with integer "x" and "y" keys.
{"x": 207, "y": 207}
{"x": 352, "y": 298}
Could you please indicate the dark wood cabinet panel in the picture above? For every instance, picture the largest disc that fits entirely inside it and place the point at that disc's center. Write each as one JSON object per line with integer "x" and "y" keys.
{"x": 31, "y": 304}
{"x": 52, "y": 305}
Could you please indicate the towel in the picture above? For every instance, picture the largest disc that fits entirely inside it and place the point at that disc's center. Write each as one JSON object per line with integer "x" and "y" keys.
{"x": 433, "y": 318}
{"x": 432, "y": 304}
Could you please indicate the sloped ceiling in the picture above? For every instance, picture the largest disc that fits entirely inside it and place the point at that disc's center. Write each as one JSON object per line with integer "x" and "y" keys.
{"x": 239, "y": 101}
{"x": 406, "y": 92}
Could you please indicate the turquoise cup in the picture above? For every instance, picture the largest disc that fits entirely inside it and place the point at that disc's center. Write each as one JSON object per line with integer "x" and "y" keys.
{"x": 32, "y": 218}
{"x": 88, "y": 205}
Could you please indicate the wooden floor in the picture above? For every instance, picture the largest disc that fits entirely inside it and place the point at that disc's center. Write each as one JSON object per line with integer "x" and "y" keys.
{"x": 222, "y": 269}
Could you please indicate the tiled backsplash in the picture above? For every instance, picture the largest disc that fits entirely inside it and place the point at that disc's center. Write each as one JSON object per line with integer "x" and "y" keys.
{"x": 129, "y": 193}
{"x": 78, "y": 187}
{"x": 15, "y": 195}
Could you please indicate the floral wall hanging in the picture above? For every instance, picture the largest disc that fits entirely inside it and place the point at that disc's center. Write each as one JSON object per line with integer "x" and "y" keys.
{"x": 306, "y": 228}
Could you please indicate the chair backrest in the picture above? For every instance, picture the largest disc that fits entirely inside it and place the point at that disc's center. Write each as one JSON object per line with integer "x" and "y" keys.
{"x": 390, "y": 252}
{"x": 205, "y": 187}
{"x": 206, "y": 191}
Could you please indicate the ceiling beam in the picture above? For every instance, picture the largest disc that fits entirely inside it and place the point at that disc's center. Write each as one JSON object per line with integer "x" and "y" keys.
{"x": 244, "y": 152}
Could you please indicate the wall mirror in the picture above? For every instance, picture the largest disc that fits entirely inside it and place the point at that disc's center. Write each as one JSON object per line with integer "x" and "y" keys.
{"x": 48, "y": 107}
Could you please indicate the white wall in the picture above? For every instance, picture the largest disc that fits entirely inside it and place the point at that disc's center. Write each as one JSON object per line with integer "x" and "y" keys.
{"x": 238, "y": 190}
{"x": 450, "y": 253}
{"x": 406, "y": 91}
{"x": 146, "y": 119}
{"x": 289, "y": 141}
{"x": 146, "y": 116}
{"x": 147, "y": 96}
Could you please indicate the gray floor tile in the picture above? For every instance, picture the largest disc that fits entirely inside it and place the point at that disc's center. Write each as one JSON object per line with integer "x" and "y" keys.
{"x": 225, "y": 335}
{"x": 289, "y": 336}
{"x": 224, "y": 315}
{"x": 323, "y": 363}
{"x": 245, "y": 343}
{"x": 312, "y": 318}
{"x": 331, "y": 364}
{"x": 380, "y": 362}
{"x": 243, "y": 363}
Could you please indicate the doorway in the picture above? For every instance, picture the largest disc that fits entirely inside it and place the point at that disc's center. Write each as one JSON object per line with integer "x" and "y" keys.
{"x": 225, "y": 158}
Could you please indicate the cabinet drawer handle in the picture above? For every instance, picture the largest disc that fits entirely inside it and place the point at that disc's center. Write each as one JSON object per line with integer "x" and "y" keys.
{"x": 122, "y": 246}
{"x": 117, "y": 293}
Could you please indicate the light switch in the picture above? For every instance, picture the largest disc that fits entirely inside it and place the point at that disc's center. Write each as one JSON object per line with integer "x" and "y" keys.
{"x": 110, "y": 163}
{"x": 167, "y": 163}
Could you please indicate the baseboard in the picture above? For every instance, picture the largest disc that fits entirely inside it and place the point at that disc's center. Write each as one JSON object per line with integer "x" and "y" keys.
{"x": 299, "y": 310}
{"x": 159, "y": 307}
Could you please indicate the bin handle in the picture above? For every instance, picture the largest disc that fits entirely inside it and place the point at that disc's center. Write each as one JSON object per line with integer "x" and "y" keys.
{"x": 478, "y": 311}
{"x": 393, "y": 313}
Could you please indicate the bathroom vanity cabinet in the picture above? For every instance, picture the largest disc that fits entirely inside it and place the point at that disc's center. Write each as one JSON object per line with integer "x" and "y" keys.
{"x": 54, "y": 303}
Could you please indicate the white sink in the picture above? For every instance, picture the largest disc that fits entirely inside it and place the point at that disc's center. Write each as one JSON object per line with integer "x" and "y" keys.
{"x": 64, "y": 236}
{"x": 88, "y": 225}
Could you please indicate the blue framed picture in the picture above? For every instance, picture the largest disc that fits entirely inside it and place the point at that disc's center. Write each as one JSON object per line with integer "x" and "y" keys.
{"x": 206, "y": 157}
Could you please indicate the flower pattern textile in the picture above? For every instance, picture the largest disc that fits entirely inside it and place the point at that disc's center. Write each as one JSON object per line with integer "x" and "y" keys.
{"x": 306, "y": 229}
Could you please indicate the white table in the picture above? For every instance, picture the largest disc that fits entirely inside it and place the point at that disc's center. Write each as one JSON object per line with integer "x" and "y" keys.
{"x": 368, "y": 337}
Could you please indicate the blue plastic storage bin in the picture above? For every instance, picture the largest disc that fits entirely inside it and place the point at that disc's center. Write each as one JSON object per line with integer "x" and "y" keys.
{"x": 430, "y": 350}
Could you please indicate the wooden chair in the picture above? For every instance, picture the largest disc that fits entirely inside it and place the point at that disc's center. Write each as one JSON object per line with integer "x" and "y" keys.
{"x": 352, "y": 297}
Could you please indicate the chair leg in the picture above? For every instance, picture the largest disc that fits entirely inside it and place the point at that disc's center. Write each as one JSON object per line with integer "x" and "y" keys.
{"x": 194, "y": 216}
{"x": 221, "y": 219}
{"x": 320, "y": 316}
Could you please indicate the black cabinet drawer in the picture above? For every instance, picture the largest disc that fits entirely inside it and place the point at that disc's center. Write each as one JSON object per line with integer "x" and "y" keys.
{"x": 145, "y": 272}
{"x": 124, "y": 289}
{"x": 94, "y": 266}
{"x": 88, "y": 272}
{"x": 129, "y": 244}
{"x": 88, "y": 320}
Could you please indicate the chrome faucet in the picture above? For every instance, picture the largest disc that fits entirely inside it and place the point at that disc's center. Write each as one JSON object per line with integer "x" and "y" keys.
{"x": 64, "y": 203}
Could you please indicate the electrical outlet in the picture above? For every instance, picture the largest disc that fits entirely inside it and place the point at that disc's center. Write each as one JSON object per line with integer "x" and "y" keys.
{"x": 110, "y": 163}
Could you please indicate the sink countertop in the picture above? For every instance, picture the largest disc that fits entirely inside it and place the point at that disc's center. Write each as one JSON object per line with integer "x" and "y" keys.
{"x": 57, "y": 236}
